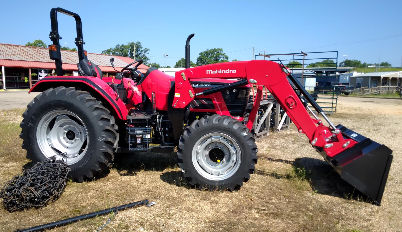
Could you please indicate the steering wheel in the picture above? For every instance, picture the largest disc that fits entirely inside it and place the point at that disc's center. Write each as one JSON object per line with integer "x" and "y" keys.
{"x": 135, "y": 75}
{"x": 135, "y": 67}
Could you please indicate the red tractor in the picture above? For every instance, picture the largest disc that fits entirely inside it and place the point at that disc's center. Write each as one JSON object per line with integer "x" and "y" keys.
{"x": 205, "y": 111}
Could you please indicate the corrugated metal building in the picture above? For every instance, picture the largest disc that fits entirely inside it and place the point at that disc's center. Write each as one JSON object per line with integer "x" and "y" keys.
{"x": 375, "y": 79}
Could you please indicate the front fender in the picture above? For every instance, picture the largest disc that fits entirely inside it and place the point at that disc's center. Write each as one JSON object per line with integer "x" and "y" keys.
{"x": 95, "y": 85}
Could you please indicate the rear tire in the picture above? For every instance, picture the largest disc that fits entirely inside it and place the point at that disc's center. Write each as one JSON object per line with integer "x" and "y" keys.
{"x": 70, "y": 125}
{"x": 217, "y": 152}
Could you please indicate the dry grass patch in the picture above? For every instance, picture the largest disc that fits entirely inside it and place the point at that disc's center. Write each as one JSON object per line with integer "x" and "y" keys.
{"x": 293, "y": 189}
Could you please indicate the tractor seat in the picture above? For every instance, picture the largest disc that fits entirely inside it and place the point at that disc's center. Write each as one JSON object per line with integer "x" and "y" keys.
{"x": 86, "y": 68}
{"x": 146, "y": 74}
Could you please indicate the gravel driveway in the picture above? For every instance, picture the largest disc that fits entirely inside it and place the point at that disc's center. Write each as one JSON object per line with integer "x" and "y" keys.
{"x": 15, "y": 99}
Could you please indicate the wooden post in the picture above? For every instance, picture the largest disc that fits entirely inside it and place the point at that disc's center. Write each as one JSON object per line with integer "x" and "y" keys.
{"x": 3, "y": 73}
{"x": 30, "y": 79}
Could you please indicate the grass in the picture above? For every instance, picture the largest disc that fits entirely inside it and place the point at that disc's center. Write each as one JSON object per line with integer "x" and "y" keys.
{"x": 367, "y": 70}
{"x": 290, "y": 191}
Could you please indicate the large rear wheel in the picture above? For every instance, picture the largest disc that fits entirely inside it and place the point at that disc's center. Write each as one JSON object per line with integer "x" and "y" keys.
{"x": 70, "y": 125}
{"x": 217, "y": 152}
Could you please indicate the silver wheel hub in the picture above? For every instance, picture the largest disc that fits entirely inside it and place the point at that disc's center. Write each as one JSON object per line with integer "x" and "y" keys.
{"x": 63, "y": 135}
{"x": 216, "y": 156}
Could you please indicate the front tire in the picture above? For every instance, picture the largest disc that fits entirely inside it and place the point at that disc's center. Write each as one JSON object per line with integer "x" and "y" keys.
{"x": 217, "y": 152}
{"x": 70, "y": 125}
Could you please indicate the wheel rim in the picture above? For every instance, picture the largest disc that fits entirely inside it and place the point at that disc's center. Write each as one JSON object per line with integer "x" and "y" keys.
{"x": 216, "y": 156}
{"x": 63, "y": 135}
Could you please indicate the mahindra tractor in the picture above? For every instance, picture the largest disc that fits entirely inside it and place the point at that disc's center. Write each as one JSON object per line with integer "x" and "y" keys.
{"x": 205, "y": 112}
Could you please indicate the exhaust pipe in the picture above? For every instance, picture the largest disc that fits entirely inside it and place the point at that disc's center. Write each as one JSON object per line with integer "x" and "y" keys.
{"x": 187, "y": 57}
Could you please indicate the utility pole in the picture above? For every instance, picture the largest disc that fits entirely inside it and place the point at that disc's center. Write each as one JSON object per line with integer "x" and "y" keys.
{"x": 254, "y": 57}
{"x": 379, "y": 61}
{"x": 165, "y": 55}
{"x": 134, "y": 51}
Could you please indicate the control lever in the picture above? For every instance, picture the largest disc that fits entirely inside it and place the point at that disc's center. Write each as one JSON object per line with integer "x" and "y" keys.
{"x": 111, "y": 62}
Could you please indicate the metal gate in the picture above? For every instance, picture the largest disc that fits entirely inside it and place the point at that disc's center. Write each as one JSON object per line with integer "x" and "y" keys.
{"x": 328, "y": 99}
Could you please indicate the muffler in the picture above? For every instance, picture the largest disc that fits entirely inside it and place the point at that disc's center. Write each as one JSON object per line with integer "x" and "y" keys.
{"x": 365, "y": 166}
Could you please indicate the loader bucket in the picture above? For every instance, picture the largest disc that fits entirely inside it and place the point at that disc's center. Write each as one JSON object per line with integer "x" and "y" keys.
{"x": 365, "y": 166}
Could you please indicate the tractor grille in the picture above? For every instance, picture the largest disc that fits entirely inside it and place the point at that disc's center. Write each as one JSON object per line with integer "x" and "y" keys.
{"x": 236, "y": 100}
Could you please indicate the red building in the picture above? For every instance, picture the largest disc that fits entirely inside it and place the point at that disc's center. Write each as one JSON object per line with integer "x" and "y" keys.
{"x": 22, "y": 66}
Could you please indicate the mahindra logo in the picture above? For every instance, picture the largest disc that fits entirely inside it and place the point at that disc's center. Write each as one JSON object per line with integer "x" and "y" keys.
{"x": 220, "y": 71}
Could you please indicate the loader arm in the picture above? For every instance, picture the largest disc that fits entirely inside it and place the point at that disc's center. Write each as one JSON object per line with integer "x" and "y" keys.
{"x": 272, "y": 76}
{"x": 360, "y": 161}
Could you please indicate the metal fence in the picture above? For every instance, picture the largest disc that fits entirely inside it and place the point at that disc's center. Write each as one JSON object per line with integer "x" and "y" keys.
{"x": 376, "y": 90}
{"x": 328, "y": 102}
{"x": 327, "y": 98}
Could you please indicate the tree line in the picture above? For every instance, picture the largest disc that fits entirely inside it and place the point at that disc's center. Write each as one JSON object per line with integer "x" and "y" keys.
{"x": 209, "y": 56}
{"x": 136, "y": 51}
{"x": 41, "y": 44}
{"x": 331, "y": 63}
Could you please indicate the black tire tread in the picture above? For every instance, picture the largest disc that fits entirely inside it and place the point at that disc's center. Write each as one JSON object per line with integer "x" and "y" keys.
{"x": 103, "y": 118}
{"x": 239, "y": 128}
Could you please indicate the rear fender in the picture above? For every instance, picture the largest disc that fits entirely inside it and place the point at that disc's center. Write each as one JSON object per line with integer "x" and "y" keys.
{"x": 96, "y": 86}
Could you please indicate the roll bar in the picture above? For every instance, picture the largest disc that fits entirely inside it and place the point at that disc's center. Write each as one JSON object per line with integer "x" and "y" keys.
{"x": 55, "y": 37}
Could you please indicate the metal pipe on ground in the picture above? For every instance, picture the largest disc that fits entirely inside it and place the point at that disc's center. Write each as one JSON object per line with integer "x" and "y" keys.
{"x": 83, "y": 217}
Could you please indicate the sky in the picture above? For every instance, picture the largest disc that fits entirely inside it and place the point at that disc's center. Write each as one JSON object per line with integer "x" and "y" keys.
{"x": 369, "y": 31}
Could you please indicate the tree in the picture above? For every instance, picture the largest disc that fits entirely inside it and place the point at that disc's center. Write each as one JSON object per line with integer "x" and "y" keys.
{"x": 294, "y": 64}
{"x": 385, "y": 64}
{"x": 324, "y": 63}
{"x": 37, "y": 43}
{"x": 128, "y": 51}
{"x": 352, "y": 63}
{"x": 67, "y": 48}
{"x": 182, "y": 63}
{"x": 155, "y": 65}
{"x": 212, "y": 56}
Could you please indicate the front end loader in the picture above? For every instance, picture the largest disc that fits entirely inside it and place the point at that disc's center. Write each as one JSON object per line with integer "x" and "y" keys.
{"x": 204, "y": 111}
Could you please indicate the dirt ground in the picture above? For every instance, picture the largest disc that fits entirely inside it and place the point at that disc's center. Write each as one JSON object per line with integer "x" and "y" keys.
{"x": 15, "y": 99}
{"x": 293, "y": 189}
